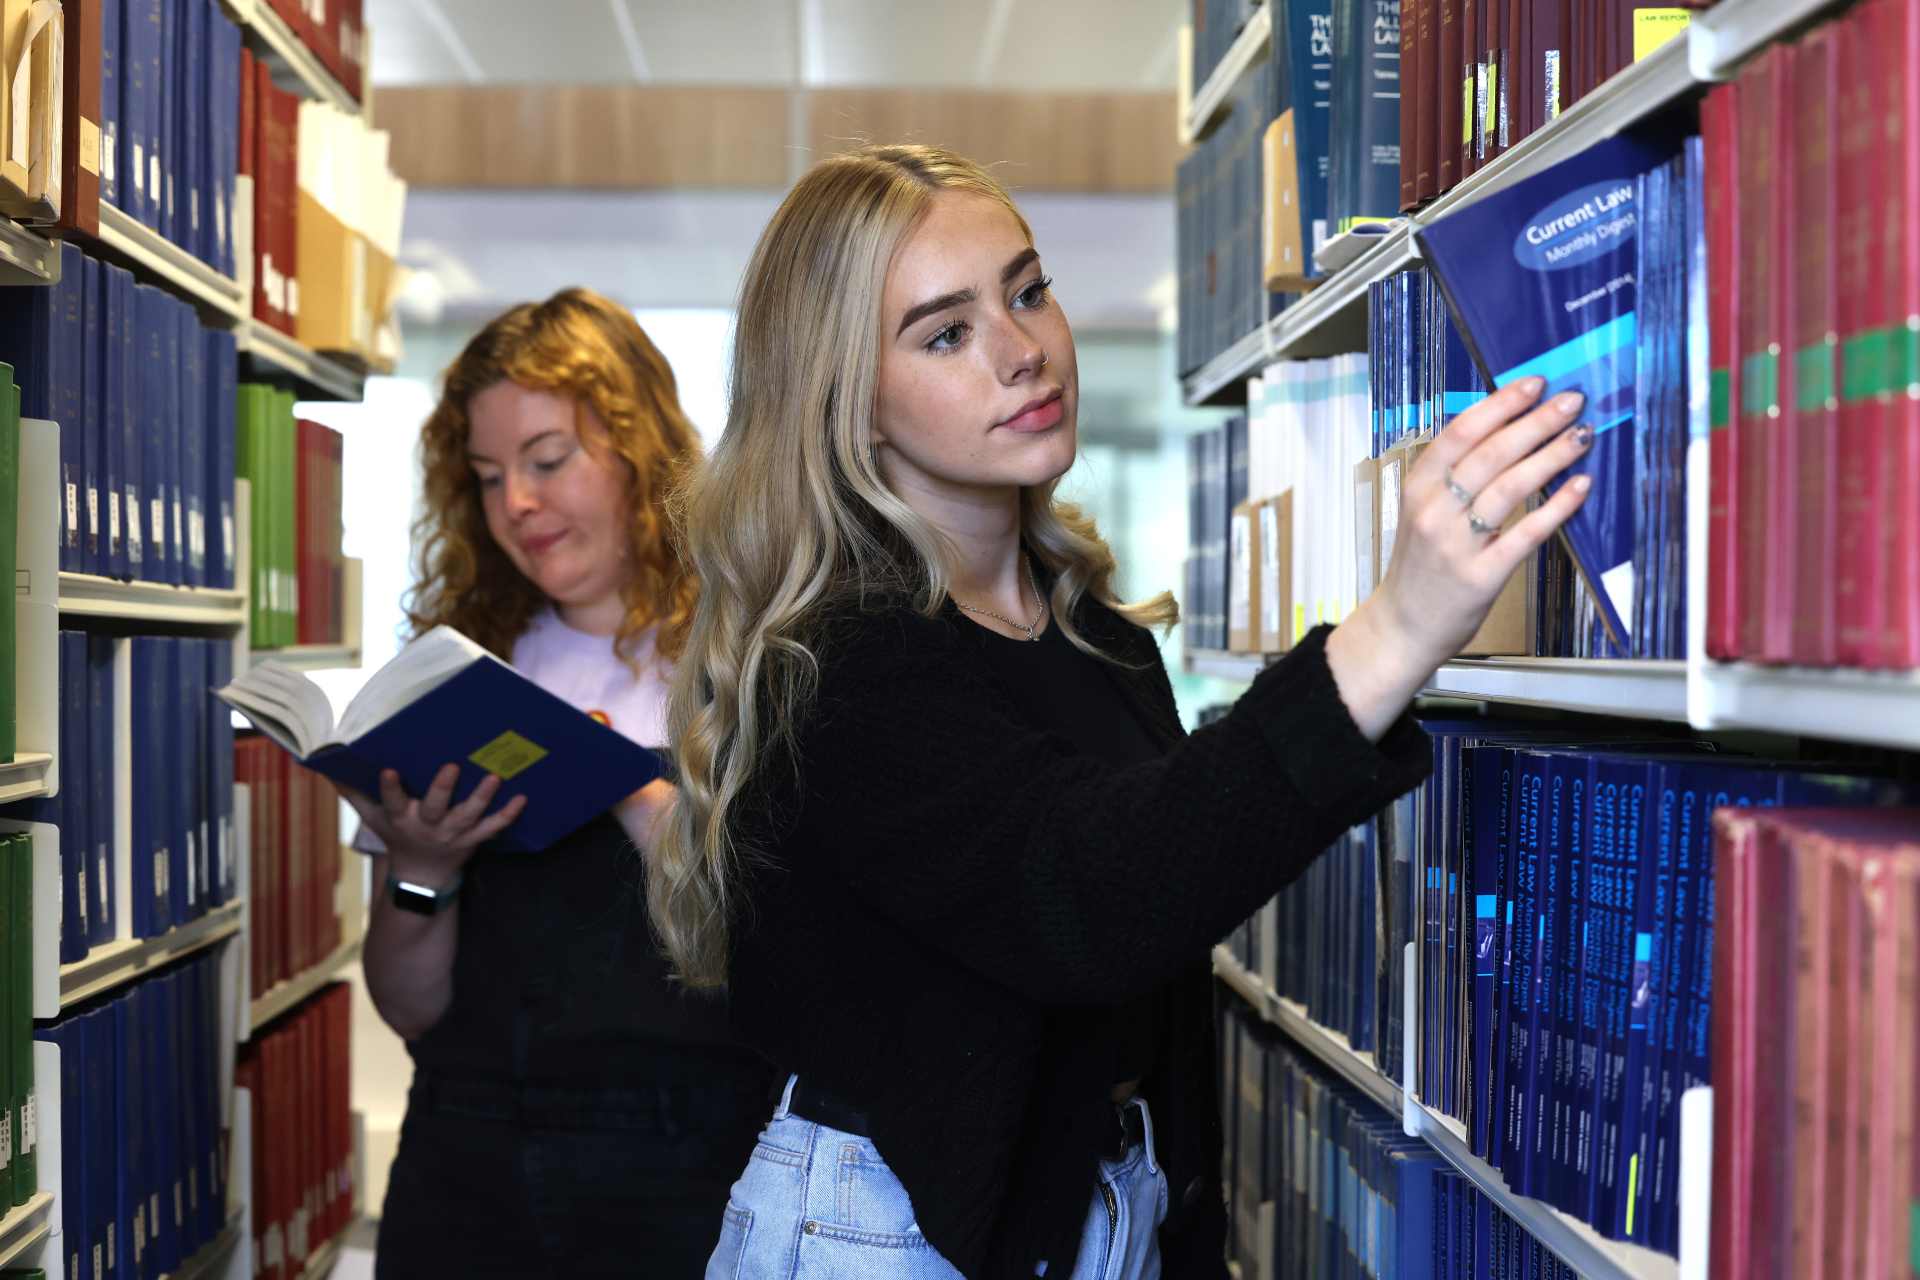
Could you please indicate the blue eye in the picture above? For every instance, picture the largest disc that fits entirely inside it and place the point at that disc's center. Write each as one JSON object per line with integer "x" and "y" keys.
{"x": 948, "y": 339}
{"x": 1034, "y": 296}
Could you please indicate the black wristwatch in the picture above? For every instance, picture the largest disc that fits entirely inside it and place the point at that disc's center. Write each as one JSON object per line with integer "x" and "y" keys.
{"x": 419, "y": 898}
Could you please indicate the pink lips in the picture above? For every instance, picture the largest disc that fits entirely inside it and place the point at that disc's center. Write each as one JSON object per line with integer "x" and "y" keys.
{"x": 542, "y": 544}
{"x": 1037, "y": 415}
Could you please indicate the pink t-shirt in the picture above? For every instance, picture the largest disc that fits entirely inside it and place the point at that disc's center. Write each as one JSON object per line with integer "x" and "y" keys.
{"x": 584, "y": 670}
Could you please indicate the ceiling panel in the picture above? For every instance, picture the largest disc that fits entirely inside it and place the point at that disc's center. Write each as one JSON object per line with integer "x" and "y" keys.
{"x": 885, "y": 43}
{"x": 1081, "y": 45}
{"x": 720, "y": 41}
{"x": 406, "y": 48}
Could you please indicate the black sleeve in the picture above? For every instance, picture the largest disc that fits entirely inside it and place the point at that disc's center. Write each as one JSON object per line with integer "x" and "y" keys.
{"x": 1062, "y": 877}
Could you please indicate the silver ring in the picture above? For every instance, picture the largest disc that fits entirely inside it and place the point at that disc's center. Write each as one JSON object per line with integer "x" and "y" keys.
{"x": 1479, "y": 526}
{"x": 1464, "y": 498}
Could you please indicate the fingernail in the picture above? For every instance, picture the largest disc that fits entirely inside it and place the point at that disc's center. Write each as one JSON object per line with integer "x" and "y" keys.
{"x": 1581, "y": 483}
{"x": 1583, "y": 435}
{"x": 1533, "y": 386}
{"x": 1569, "y": 401}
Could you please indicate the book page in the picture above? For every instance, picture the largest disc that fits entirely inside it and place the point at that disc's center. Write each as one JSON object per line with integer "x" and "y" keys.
{"x": 422, "y": 666}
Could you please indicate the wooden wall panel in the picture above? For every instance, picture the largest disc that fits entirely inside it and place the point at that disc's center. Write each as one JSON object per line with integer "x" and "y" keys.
{"x": 632, "y": 137}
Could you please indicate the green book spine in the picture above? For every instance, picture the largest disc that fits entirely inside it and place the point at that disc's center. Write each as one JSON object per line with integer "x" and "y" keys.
{"x": 9, "y": 1087}
{"x": 250, "y": 464}
{"x": 26, "y": 1174}
{"x": 9, "y": 558}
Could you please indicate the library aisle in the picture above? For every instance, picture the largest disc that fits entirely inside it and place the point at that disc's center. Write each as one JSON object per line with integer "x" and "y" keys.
{"x": 1623, "y": 990}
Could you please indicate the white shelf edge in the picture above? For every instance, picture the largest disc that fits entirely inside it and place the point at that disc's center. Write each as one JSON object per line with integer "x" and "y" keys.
{"x": 1349, "y": 247}
{"x": 291, "y": 53}
{"x": 26, "y": 257}
{"x": 320, "y": 1265}
{"x": 1637, "y": 91}
{"x": 1574, "y": 1242}
{"x": 285, "y": 995}
{"x": 87, "y": 595}
{"x": 115, "y": 964}
{"x": 1848, "y": 705}
{"x": 312, "y": 657}
{"x": 267, "y": 345}
{"x": 25, "y": 1226}
{"x": 182, "y": 271}
{"x": 1721, "y": 38}
{"x": 25, "y": 776}
{"x": 1599, "y": 686}
{"x": 210, "y": 1259}
{"x": 1246, "y": 50}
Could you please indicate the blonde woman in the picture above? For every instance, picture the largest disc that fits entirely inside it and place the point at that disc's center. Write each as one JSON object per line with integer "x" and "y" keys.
{"x": 939, "y": 833}
{"x": 571, "y": 1110}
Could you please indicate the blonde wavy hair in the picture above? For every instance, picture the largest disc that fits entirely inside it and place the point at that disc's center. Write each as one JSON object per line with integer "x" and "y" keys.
{"x": 790, "y": 517}
{"x": 578, "y": 344}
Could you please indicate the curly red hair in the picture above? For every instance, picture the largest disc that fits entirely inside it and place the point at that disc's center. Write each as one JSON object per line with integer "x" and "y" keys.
{"x": 579, "y": 344}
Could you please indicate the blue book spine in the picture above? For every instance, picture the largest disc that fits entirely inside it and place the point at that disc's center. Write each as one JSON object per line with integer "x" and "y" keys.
{"x": 111, "y": 462}
{"x": 65, "y": 356}
{"x": 172, "y": 410}
{"x": 224, "y": 51}
{"x": 96, "y": 879}
{"x": 170, "y": 1186}
{"x": 1458, "y": 832}
{"x": 100, "y": 1056}
{"x": 1503, "y": 950}
{"x": 146, "y": 19}
{"x": 168, "y": 121}
{"x": 75, "y": 1207}
{"x": 95, "y": 556}
{"x": 220, "y": 777}
{"x": 193, "y": 443}
{"x": 221, "y": 391}
{"x": 110, "y": 36}
{"x": 130, "y": 92}
{"x": 1570, "y": 930}
{"x": 1652, "y": 936}
{"x": 134, "y": 1149}
{"x": 1546, "y": 1132}
{"x": 1529, "y": 797}
{"x": 153, "y": 322}
{"x": 127, "y": 446}
{"x": 71, "y": 809}
{"x": 1618, "y": 913}
{"x": 196, "y": 120}
{"x": 1484, "y": 765}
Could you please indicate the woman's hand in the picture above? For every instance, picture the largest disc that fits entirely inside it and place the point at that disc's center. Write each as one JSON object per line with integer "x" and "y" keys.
{"x": 1446, "y": 571}
{"x": 428, "y": 840}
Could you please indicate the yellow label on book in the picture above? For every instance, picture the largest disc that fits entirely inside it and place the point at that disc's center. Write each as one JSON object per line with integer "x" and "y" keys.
{"x": 89, "y": 146}
{"x": 508, "y": 755}
{"x": 1466, "y": 111}
{"x": 1654, "y": 27}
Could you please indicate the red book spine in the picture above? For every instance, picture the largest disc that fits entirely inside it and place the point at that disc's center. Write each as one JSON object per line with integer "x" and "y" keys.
{"x": 1735, "y": 837}
{"x": 80, "y": 137}
{"x": 336, "y": 527}
{"x": 1470, "y": 73}
{"x": 276, "y": 1150}
{"x": 1759, "y": 84}
{"x": 1548, "y": 53}
{"x": 1902, "y": 54}
{"x": 1449, "y": 114}
{"x": 288, "y": 109}
{"x": 1409, "y": 101}
{"x": 1858, "y": 578}
{"x": 1780, "y": 598}
{"x": 1426, "y": 90}
{"x": 257, "y": 130}
{"x": 1516, "y": 120}
{"x": 1818, "y": 1022}
{"x": 1719, "y": 116}
{"x": 1828, "y": 1160}
{"x": 1815, "y": 348}
{"x": 340, "y": 1003}
{"x": 283, "y": 967}
{"x": 1768, "y": 1048}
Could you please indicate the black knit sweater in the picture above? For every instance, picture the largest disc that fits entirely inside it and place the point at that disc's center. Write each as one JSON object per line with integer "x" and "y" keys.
{"x": 951, "y": 903}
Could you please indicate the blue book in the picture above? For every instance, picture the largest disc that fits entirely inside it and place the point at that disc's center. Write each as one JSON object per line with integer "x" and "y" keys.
{"x": 167, "y": 1067}
{"x": 152, "y": 779}
{"x": 167, "y": 122}
{"x": 219, "y": 776}
{"x": 153, "y": 379}
{"x": 40, "y": 337}
{"x": 173, "y": 408}
{"x": 195, "y": 222}
{"x": 124, "y": 437}
{"x": 1302, "y": 50}
{"x": 222, "y": 390}
{"x": 224, "y": 53}
{"x": 76, "y": 1222}
{"x": 1491, "y": 780}
{"x": 78, "y": 807}
{"x": 105, "y": 381}
{"x": 213, "y": 1196}
{"x": 443, "y": 699}
{"x": 192, "y": 380}
{"x": 1523, "y": 924}
{"x": 100, "y": 1065}
{"x": 133, "y": 1152}
{"x": 145, "y": 43}
{"x": 1540, "y": 278}
{"x": 198, "y": 709}
{"x": 97, "y": 879}
{"x": 95, "y": 554}
{"x": 110, "y": 38}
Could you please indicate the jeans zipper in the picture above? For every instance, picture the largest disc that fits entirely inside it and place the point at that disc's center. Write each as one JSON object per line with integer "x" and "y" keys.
{"x": 1113, "y": 1215}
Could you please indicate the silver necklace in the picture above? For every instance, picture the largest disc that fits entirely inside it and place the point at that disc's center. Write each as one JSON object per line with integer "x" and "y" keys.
{"x": 1029, "y": 627}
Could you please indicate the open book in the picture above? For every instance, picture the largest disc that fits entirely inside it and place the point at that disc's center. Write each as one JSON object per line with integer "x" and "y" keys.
{"x": 444, "y": 699}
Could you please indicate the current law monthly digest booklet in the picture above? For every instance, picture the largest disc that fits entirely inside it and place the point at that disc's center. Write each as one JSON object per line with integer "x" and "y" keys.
{"x": 444, "y": 699}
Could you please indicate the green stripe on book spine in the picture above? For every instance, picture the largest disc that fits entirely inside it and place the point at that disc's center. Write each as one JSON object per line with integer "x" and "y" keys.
{"x": 1720, "y": 397}
{"x": 1813, "y": 376}
{"x": 1760, "y": 383}
{"x": 1866, "y": 365}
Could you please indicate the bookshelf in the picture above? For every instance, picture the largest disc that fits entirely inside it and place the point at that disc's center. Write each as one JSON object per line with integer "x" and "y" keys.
{"x": 286, "y": 995}
{"x": 294, "y": 65}
{"x": 320, "y": 1265}
{"x": 211, "y": 1262}
{"x": 1593, "y": 1256}
{"x": 1210, "y": 98}
{"x": 155, "y": 258}
{"x": 25, "y": 776}
{"x": 83, "y": 595}
{"x": 115, "y": 964}
{"x": 313, "y": 657}
{"x": 26, "y": 258}
{"x": 1332, "y": 318}
{"x": 25, "y": 1227}
{"x": 271, "y": 355}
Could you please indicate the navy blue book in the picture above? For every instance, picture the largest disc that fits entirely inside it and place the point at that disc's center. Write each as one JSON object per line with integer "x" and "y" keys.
{"x": 173, "y": 411}
{"x": 100, "y": 1059}
{"x": 132, "y": 1153}
{"x": 222, "y": 390}
{"x": 110, "y": 462}
{"x": 169, "y": 1066}
{"x": 1524, "y": 946}
{"x": 224, "y": 51}
{"x": 1302, "y": 56}
{"x": 153, "y": 321}
{"x": 77, "y": 806}
{"x": 1539, "y": 277}
{"x": 193, "y": 443}
{"x": 95, "y": 555}
{"x": 76, "y": 1224}
{"x": 97, "y": 876}
{"x": 166, "y": 122}
{"x": 151, "y": 908}
{"x": 110, "y": 37}
{"x": 1491, "y": 780}
{"x": 444, "y": 699}
{"x": 219, "y": 776}
{"x": 124, "y": 450}
{"x": 1364, "y": 126}
{"x": 191, "y": 113}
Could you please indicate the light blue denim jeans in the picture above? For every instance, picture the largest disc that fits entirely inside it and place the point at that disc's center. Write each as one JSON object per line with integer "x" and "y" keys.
{"x": 819, "y": 1204}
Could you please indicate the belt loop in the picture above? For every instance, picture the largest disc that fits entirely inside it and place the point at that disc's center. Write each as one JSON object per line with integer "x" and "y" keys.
{"x": 1146, "y": 1127}
{"x": 785, "y": 1108}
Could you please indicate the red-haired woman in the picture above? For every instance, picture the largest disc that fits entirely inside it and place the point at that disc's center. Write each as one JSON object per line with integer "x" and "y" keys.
{"x": 572, "y": 1112}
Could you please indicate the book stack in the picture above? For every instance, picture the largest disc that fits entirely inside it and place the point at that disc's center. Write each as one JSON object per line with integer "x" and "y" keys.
{"x": 320, "y": 606}
{"x": 268, "y": 455}
{"x": 1814, "y": 527}
{"x": 294, "y": 862}
{"x": 335, "y": 31}
{"x": 1216, "y": 486}
{"x": 181, "y": 831}
{"x": 142, "y": 1168}
{"x": 1813, "y": 1035}
{"x": 1222, "y": 296}
{"x": 142, "y": 396}
{"x": 166, "y": 76}
{"x": 1483, "y": 75}
{"x": 348, "y": 207}
{"x": 84, "y": 810}
{"x": 298, "y": 1073}
{"x": 1324, "y": 1183}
